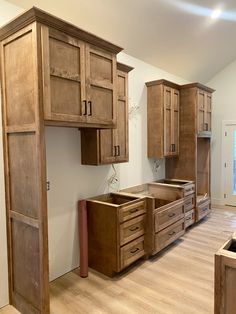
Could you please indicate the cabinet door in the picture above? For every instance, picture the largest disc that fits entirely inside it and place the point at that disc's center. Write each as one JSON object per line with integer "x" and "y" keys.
{"x": 107, "y": 146}
{"x": 64, "y": 76}
{"x": 175, "y": 122}
{"x": 207, "y": 117}
{"x": 122, "y": 118}
{"x": 201, "y": 110}
{"x": 167, "y": 121}
{"x": 101, "y": 92}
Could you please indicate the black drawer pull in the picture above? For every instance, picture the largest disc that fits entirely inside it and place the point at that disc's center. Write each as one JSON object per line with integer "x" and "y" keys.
{"x": 85, "y": 107}
{"x": 188, "y": 218}
{"x": 171, "y": 233}
{"x": 135, "y": 250}
{"x": 171, "y": 215}
{"x": 134, "y": 210}
{"x": 205, "y": 209}
{"x": 189, "y": 189}
{"x": 90, "y": 107}
{"x": 189, "y": 203}
{"x": 133, "y": 228}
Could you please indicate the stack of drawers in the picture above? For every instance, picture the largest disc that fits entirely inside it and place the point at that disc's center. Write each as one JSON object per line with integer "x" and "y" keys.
{"x": 203, "y": 207}
{"x": 116, "y": 228}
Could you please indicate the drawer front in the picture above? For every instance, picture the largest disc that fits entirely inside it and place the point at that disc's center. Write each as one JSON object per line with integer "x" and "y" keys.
{"x": 189, "y": 189}
{"x": 132, "y": 229}
{"x": 189, "y": 218}
{"x": 203, "y": 210}
{"x": 168, "y": 216}
{"x": 189, "y": 202}
{"x": 131, "y": 252}
{"x": 130, "y": 211}
{"x": 169, "y": 235}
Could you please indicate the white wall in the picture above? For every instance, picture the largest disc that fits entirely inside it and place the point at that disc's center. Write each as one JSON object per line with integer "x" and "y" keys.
{"x": 8, "y": 11}
{"x": 224, "y": 108}
{"x": 71, "y": 181}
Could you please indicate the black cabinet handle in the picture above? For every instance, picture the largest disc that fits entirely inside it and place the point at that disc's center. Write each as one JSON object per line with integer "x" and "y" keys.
{"x": 114, "y": 151}
{"x": 133, "y": 228}
{"x": 188, "y": 218}
{"x": 135, "y": 250}
{"x": 90, "y": 107}
{"x": 118, "y": 150}
{"x": 85, "y": 107}
{"x": 134, "y": 210}
{"x": 171, "y": 233}
{"x": 206, "y": 126}
{"x": 171, "y": 215}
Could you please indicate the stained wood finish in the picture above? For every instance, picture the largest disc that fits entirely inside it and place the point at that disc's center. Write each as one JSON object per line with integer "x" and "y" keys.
{"x": 163, "y": 119}
{"x": 116, "y": 225}
{"x": 25, "y": 171}
{"x": 111, "y": 145}
{"x": 193, "y": 161}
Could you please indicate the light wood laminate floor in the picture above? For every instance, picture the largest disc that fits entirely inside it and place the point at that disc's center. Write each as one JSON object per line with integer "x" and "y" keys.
{"x": 177, "y": 281}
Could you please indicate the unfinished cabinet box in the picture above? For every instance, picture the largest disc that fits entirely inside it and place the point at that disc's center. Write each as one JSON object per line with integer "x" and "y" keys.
{"x": 163, "y": 118}
{"x": 116, "y": 230}
{"x": 186, "y": 190}
{"x": 110, "y": 146}
{"x": 193, "y": 162}
{"x": 52, "y": 73}
{"x": 225, "y": 278}
{"x": 165, "y": 215}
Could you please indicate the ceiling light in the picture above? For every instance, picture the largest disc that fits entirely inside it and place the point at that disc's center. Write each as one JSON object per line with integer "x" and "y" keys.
{"x": 216, "y": 13}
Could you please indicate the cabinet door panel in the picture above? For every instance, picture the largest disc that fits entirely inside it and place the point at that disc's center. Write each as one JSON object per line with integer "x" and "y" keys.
{"x": 175, "y": 122}
{"x": 64, "y": 76}
{"x": 201, "y": 110}
{"x": 107, "y": 146}
{"x": 167, "y": 121}
{"x": 101, "y": 90}
{"x": 208, "y": 112}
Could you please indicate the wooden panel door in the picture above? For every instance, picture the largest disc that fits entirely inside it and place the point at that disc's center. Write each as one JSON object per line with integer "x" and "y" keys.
{"x": 121, "y": 149}
{"x": 207, "y": 117}
{"x": 175, "y": 122}
{"x": 167, "y": 121}
{"x": 25, "y": 172}
{"x": 108, "y": 149}
{"x": 64, "y": 77}
{"x": 200, "y": 110}
{"x": 101, "y": 90}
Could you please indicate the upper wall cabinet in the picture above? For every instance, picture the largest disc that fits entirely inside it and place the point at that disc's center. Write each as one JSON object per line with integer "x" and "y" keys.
{"x": 111, "y": 145}
{"x": 201, "y": 98}
{"x": 163, "y": 118}
{"x": 79, "y": 80}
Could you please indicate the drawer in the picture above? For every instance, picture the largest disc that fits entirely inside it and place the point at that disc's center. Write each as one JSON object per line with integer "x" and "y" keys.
{"x": 133, "y": 210}
{"x": 131, "y": 229}
{"x": 189, "y": 189}
{"x": 168, "y": 216}
{"x": 189, "y": 202}
{"x": 189, "y": 218}
{"x": 131, "y": 252}
{"x": 203, "y": 209}
{"x": 169, "y": 235}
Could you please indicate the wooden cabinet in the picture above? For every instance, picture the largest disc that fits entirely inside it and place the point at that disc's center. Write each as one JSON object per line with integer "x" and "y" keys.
{"x": 165, "y": 215}
{"x": 204, "y": 111}
{"x": 52, "y": 73}
{"x": 110, "y": 145}
{"x": 193, "y": 162}
{"x": 163, "y": 118}
{"x": 225, "y": 278}
{"x": 116, "y": 228}
{"x": 79, "y": 80}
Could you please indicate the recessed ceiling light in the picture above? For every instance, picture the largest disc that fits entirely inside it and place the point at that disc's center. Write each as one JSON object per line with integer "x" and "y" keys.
{"x": 216, "y": 13}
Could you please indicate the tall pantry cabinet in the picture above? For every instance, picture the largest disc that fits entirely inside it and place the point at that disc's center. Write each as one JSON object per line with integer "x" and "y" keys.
{"x": 193, "y": 162}
{"x": 52, "y": 73}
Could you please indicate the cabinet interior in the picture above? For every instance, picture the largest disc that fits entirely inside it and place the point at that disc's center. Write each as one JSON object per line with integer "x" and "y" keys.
{"x": 203, "y": 167}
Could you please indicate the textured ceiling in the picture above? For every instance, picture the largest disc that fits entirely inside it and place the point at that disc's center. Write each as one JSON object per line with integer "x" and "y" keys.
{"x": 177, "y": 36}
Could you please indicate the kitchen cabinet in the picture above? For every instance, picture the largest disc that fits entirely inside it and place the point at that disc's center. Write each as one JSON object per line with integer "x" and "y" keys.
{"x": 204, "y": 100}
{"x": 110, "y": 145}
{"x": 163, "y": 118}
{"x": 116, "y": 228}
{"x": 52, "y": 73}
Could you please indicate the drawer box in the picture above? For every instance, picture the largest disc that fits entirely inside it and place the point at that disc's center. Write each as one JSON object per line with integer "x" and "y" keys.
{"x": 169, "y": 235}
{"x": 127, "y": 212}
{"x": 203, "y": 209}
{"x": 131, "y": 252}
{"x": 132, "y": 229}
{"x": 189, "y": 202}
{"x": 168, "y": 214}
{"x": 189, "y": 218}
